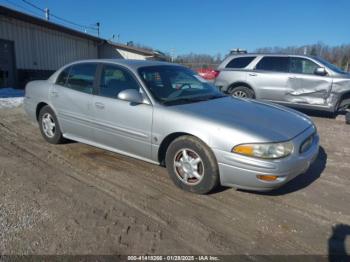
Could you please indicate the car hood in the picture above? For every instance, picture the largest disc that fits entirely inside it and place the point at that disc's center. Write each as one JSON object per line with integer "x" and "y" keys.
{"x": 268, "y": 122}
{"x": 345, "y": 76}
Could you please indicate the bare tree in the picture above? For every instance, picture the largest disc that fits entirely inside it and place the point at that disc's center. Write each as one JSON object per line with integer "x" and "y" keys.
{"x": 338, "y": 55}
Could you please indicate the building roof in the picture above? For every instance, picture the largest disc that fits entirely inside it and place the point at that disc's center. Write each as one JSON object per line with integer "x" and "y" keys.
{"x": 41, "y": 22}
{"x": 131, "y": 48}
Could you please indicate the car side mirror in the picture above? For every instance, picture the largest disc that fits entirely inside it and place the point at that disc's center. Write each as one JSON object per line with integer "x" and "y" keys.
{"x": 320, "y": 71}
{"x": 131, "y": 95}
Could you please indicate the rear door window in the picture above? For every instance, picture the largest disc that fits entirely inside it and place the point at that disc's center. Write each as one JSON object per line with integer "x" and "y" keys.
{"x": 273, "y": 63}
{"x": 240, "y": 62}
{"x": 81, "y": 77}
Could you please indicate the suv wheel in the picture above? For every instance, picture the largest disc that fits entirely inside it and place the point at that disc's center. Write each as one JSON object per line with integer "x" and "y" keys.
{"x": 241, "y": 91}
{"x": 191, "y": 165}
{"x": 49, "y": 126}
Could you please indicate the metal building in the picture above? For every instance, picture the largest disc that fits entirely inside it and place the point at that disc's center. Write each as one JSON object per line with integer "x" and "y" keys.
{"x": 115, "y": 50}
{"x": 33, "y": 48}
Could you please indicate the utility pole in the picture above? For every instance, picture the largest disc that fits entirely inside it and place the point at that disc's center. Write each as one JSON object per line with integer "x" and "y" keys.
{"x": 98, "y": 28}
{"x": 172, "y": 54}
{"x": 47, "y": 14}
{"x": 305, "y": 50}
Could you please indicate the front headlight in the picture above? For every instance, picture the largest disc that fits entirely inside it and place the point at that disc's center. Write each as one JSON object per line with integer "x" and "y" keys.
{"x": 266, "y": 151}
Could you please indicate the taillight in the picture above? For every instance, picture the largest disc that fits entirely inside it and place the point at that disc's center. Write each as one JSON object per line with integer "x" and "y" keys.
{"x": 216, "y": 73}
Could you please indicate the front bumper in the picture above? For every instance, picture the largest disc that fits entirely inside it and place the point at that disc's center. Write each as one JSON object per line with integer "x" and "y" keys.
{"x": 240, "y": 171}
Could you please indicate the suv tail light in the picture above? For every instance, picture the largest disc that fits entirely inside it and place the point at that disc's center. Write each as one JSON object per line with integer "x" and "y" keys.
{"x": 216, "y": 73}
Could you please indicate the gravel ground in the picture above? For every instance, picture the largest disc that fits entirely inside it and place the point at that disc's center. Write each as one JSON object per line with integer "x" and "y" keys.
{"x": 76, "y": 199}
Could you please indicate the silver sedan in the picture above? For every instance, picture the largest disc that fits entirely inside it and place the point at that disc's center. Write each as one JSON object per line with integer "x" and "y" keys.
{"x": 166, "y": 114}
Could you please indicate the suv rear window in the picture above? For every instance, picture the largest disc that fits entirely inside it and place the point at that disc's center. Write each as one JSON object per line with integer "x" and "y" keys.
{"x": 240, "y": 62}
{"x": 274, "y": 63}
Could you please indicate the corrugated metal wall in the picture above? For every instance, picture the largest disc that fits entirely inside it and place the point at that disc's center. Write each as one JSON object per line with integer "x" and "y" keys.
{"x": 39, "y": 48}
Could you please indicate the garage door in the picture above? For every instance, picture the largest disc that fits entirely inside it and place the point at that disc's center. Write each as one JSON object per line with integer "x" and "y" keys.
{"x": 7, "y": 64}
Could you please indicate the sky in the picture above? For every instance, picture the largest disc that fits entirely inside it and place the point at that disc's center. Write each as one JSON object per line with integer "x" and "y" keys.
{"x": 207, "y": 26}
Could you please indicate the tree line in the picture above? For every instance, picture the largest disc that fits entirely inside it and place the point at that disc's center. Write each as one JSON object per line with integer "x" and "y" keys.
{"x": 338, "y": 55}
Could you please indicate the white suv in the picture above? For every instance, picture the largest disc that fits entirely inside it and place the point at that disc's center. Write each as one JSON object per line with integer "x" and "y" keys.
{"x": 292, "y": 80}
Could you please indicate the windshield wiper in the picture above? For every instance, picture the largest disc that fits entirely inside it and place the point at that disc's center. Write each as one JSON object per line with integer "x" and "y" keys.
{"x": 180, "y": 100}
{"x": 192, "y": 99}
{"x": 205, "y": 98}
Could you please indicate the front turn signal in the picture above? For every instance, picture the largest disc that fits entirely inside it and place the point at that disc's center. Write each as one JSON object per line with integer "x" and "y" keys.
{"x": 267, "y": 177}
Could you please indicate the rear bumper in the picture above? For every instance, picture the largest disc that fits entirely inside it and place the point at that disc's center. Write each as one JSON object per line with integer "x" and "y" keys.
{"x": 241, "y": 172}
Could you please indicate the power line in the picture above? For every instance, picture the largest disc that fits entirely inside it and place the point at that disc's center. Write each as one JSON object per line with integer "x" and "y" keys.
{"x": 21, "y": 7}
{"x": 32, "y": 5}
{"x": 60, "y": 18}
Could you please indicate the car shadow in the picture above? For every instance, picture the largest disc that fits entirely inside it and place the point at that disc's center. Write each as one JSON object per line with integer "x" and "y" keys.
{"x": 303, "y": 180}
{"x": 336, "y": 243}
{"x": 318, "y": 113}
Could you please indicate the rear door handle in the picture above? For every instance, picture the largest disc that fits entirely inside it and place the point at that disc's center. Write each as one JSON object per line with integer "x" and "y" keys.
{"x": 99, "y": 105}
{"x": 252, "y": 74}
{"x": 292, "y": 77}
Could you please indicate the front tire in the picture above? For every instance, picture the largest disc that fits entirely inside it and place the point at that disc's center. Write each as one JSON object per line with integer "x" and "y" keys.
{"x": 241, "y": 92}
{"x": 191, "y": 165}
{"x": 49, "y": 127}
{"x": 347, "y": 117}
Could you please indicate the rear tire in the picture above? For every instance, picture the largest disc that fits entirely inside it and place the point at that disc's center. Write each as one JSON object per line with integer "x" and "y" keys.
{"x": 191, "y": 165}
{"x": 49, "y": 126}
{"x": 241, "y": 92}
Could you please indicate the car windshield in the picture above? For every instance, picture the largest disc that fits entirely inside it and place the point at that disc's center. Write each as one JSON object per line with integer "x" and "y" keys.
{"x": 330, "y": 66}
{"x": 172, "y": 85}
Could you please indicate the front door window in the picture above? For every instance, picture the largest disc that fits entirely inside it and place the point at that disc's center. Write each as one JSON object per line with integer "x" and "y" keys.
{"x": 301, "y": 65}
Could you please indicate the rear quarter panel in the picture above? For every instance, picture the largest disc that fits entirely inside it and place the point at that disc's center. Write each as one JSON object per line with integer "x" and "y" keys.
{"x": 35, "y": 93}
{"x": 227, "y": 77}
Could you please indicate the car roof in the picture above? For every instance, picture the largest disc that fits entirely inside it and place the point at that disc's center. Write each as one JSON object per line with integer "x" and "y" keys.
{"x": 131, "y": 63}
{"x": 270, "y": 54}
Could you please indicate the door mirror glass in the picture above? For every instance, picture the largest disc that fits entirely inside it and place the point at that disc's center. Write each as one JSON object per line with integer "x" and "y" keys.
{"x": 320, "y": 71}
{"x": 131, "y": 95}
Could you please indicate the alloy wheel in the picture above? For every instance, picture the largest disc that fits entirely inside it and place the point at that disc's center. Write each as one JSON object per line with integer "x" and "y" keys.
{"x": 240, "y": 93}
{"x": 188, "y": 166}
{"x": 49, "y": 125}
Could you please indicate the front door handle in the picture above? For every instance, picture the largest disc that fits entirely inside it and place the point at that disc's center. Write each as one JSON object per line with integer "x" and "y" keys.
{"x": 292, "y": 77}
{"x": 252, "y": 74}
{"x": 54, "y": 93}
{"x": 99, "y": 105}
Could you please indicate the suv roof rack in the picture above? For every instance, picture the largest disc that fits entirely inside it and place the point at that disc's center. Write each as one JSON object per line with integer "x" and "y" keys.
{"x": 238, "y": 51}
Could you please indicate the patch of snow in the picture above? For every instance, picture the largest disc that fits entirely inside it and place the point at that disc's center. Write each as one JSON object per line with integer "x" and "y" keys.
{"x": 11, "y": 102}
{"x": 11, "y": 97}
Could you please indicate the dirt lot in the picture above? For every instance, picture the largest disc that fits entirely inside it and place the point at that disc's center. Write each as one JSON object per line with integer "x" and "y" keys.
{"x": 76, "y": 199}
